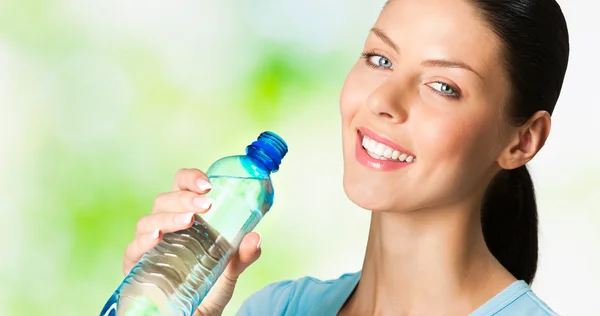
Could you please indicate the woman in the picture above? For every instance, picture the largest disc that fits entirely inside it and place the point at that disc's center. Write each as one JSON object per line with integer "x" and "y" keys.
{"x": 449, "y": 101}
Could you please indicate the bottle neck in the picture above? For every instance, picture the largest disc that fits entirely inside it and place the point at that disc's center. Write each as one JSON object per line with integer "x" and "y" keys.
{"x": 261, "y": 156}
{"x": 269, "y": 149}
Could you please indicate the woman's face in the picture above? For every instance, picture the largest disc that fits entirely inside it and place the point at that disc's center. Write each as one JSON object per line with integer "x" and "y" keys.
{"x": 426, "y": 100}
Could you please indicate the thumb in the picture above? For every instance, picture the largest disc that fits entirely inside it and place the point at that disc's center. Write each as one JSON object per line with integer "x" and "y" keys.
{"x": 220, "y": 294}
{"x": 248, "y": 252}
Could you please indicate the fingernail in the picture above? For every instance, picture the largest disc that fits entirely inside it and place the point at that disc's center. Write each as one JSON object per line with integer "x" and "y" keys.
{"x": 259, "y": 240}
{"x": 203, "y": 184}
{"x": 184, "y": 218}
{"x": 155, "y": 234}
{"x": 202, "y": 202}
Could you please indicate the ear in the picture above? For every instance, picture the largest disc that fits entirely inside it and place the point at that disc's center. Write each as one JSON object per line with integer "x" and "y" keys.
{"x": 526, "y": 142}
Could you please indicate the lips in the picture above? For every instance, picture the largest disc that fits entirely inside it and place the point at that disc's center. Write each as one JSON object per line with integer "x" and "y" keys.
{"x": 383, "y": 152}
{"x": 376, "y": 152}
{"x": 363, "y": 131}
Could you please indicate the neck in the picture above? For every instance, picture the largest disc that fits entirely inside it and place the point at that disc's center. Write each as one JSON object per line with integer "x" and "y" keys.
{"x": 428, "y": 262}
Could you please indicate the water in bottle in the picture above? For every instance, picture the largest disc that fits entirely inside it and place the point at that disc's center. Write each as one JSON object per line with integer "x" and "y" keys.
{"x": 174, "y": 277}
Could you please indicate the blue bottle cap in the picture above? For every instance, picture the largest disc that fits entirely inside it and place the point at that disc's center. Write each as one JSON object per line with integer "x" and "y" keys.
{"x": 269, "y": 149}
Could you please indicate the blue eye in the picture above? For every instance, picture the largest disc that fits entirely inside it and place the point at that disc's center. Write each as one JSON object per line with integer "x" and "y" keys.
{"x": 377, "y": 61}
{"x": 443, "y": 89}
{"x": 380, "y": 61}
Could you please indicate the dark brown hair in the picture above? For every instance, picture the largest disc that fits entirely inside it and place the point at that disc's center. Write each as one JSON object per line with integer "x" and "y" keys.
{"x": 536, "y": 51}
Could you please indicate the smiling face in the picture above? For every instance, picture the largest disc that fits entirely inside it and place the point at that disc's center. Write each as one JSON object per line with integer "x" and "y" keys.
{"x": 429, "y": 95}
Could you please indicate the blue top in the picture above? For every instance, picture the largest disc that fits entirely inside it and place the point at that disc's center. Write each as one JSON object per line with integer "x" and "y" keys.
{"x": 310, "y": 296}
{"x": 268, "y": 149}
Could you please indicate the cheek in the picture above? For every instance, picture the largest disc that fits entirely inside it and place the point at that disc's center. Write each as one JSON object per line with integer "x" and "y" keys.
{"x": 446, "y": 140}
{"x": 352, "y": 98}
{"x": 352, "y": 95}
{"x": 457, "y": 151}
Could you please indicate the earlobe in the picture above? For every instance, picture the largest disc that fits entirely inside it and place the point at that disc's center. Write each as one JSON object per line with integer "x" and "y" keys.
{"x": 527, "y": 141}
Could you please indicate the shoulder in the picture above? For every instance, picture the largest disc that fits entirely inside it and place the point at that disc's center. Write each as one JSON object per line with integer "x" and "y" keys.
{"x": 523, "y": 302}
{"x": 527, "y": 304}
{"x": 290, "y": 296}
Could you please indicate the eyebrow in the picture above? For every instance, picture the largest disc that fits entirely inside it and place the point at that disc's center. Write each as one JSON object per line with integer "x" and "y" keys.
{"x": 442, "y": 63}
{"x": 386, "y": 39}
{"x": 448, "y": 64}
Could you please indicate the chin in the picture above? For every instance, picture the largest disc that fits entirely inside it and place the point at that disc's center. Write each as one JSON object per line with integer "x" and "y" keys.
{"x": 371, "y": 196}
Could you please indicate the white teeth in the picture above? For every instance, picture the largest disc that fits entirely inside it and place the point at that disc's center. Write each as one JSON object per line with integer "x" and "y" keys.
{"x": 380, "y": 149}
{"x": 372, "y": 145}
{"x": 376, "y": 156}
{"x": 383, "y": 152}
{"x": 388, "y": 153}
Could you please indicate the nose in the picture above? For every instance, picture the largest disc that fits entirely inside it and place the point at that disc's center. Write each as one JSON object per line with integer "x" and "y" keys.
{"x": 389, "y": 102}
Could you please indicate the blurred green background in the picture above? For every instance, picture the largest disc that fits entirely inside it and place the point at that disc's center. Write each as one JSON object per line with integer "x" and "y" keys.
{"x": 102, "y": 101}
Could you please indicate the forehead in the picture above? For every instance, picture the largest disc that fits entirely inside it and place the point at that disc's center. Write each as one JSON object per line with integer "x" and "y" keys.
{"x": 452, "y": 29}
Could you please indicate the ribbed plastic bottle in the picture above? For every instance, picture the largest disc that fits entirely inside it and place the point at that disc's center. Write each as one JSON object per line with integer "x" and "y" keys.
{"x": 174, "y": 277}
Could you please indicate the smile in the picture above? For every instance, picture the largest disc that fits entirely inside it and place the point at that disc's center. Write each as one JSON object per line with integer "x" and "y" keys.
{"x": 379, "y": 153}
{"x": 383, "y": 152}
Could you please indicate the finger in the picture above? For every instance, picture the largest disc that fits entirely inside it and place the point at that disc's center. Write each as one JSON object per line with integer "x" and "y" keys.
{"x": 191, "y": 180}
{"x": 248, "y": 252}
{"x": 166, "y": 222}
{"x": 181, "y": 202}
{"x": 249, "y": 247}
{"x": 217, "y": 298}
{"x": 220, "y": 294}
{"x": 138, "y": 247}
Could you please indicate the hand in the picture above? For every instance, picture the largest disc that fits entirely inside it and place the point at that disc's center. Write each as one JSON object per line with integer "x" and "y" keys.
{"x": 173, "y": 211}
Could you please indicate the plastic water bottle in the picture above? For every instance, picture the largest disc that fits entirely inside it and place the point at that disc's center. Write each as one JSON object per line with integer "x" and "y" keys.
{"x": 174, "y": 277}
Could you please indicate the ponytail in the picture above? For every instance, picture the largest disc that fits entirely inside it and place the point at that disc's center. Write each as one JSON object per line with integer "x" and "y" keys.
{"x": 510, "y": 222}
{"x": 535, "y": 48}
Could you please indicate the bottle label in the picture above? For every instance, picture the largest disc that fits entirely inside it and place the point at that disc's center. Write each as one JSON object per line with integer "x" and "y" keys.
{"x": 110, "y": 308}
